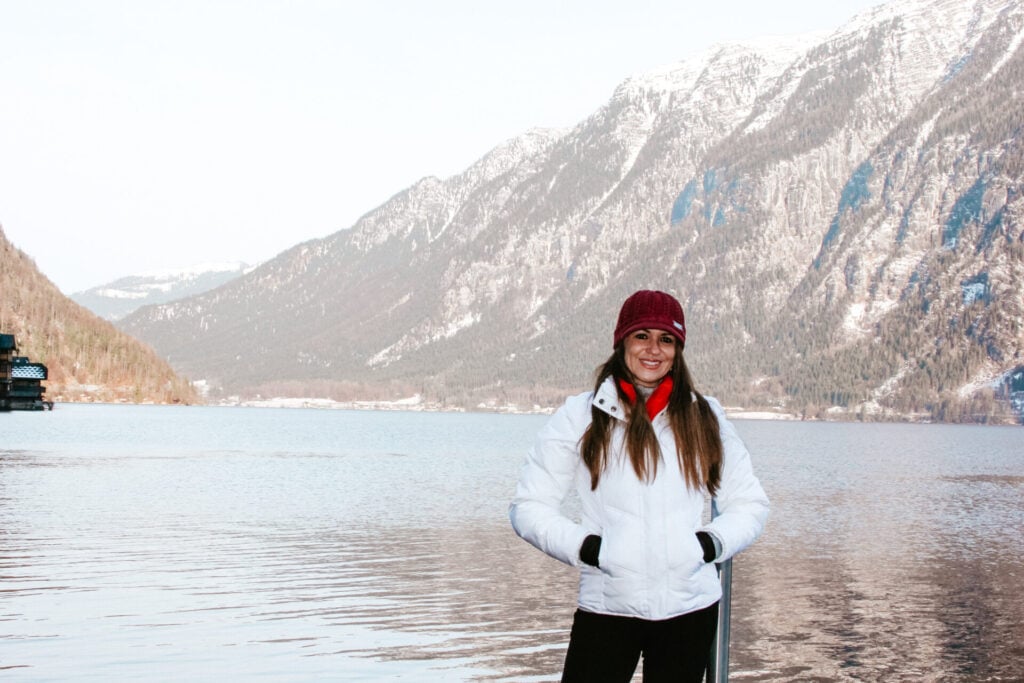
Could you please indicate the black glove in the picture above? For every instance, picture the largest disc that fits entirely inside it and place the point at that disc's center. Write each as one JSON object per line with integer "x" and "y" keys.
{"x": 707, "y": 544}
{"x": 590, "y": 549}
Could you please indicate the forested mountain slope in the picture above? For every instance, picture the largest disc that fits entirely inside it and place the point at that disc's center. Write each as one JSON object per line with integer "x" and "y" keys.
{"x": 87, "y": 358}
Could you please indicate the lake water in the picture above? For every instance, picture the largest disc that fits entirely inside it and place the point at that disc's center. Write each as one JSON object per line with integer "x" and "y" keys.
{"x": 199, "y": 543}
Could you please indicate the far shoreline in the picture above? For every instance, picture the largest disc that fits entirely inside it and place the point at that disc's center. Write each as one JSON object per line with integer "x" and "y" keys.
{"x": 417, "y": 404}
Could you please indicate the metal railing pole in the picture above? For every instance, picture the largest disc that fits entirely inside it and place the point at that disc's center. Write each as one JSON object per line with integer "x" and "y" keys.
{"x": 718, "y": 664}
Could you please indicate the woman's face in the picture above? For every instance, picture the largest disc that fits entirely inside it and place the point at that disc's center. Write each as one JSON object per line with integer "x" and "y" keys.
{"x": 649, "y": 355}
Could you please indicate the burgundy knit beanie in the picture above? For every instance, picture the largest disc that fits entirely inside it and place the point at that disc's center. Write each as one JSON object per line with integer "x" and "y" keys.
{"x": 648, "y": 309}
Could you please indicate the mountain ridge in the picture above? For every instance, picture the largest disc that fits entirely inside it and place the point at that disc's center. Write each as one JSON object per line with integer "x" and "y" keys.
{"x": 118, "y": 298}
{"x": 822, "y": 220}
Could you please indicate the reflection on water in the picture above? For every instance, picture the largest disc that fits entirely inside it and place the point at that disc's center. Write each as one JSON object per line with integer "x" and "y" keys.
{"x": 375, "y": 546}
{"x": 901, "y": 561}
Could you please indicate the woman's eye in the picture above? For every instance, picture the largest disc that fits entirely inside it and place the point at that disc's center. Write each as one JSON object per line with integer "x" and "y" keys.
{"x": 667, "y": 339}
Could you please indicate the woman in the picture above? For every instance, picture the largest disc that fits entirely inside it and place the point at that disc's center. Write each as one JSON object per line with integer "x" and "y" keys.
{"x": 645, "y": 452}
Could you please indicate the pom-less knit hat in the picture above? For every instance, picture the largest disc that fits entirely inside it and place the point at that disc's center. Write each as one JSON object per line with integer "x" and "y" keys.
{"x": 648, "y": 309}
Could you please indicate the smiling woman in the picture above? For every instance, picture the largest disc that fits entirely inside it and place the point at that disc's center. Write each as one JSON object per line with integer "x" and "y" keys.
{"x": 645, "y": 452}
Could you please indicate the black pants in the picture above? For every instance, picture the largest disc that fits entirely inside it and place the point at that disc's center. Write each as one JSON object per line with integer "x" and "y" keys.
{"x": 606, "y": 649}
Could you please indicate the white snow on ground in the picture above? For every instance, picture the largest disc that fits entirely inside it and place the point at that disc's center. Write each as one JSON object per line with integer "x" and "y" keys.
{"x": 990, "y": 375}
{"x": 121, "y": 294}
{"x": 759, "y": 415}
{"x": 414, "y": 402}
{"x": 888, "y": 385}
{"x": 1007, "y": 55}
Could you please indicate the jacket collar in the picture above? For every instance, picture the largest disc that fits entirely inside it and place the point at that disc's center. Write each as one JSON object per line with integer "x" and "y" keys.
{"x": 606, "y": 398}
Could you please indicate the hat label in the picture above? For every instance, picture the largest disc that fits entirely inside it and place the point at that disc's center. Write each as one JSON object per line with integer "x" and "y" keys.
{"x": 678, "y": 325}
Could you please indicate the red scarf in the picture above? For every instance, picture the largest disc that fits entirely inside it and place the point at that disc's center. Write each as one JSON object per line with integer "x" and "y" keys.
{"x": 656, "y": 402}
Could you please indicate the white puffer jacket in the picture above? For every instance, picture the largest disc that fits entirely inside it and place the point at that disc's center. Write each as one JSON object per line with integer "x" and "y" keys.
{"x": 651, "y": 563}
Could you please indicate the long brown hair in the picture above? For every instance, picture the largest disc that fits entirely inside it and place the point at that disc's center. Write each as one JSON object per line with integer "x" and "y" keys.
{"x": 694, "y": 426}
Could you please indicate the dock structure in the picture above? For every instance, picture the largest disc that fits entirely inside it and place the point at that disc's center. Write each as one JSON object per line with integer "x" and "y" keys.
{"x": 21, "y": 381}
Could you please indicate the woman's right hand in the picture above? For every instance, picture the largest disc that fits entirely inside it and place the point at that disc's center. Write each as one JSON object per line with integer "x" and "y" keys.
{"x": 591, "y": 550}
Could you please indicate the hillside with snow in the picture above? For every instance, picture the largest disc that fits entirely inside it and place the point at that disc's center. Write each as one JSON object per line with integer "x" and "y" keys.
{"x": 115, "y": 300}
{"x": 841, "y": 216}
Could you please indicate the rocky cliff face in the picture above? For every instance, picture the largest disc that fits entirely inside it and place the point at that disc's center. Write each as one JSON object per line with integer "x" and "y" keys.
{"x": 841, "y": 218}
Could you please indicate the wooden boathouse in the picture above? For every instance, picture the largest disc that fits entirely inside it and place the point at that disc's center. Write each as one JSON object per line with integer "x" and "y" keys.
{"x": 21, "y": 381}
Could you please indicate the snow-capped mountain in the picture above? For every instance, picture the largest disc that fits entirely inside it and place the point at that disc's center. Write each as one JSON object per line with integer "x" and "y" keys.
{"x": 841, "y": 218}
{"x": 125, "y": 295}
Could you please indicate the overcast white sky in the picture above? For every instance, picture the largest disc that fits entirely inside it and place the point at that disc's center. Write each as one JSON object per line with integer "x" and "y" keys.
{"x": 139, "y": 135}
